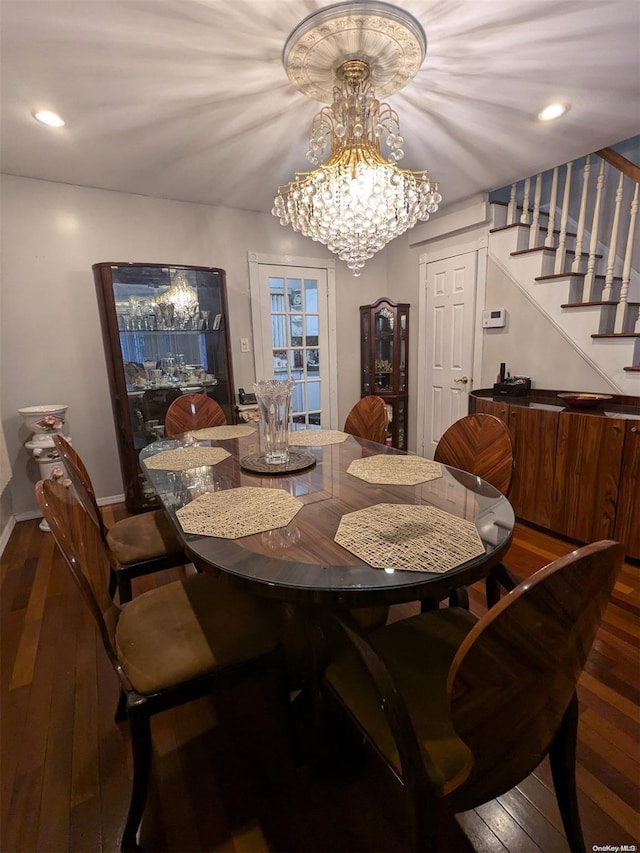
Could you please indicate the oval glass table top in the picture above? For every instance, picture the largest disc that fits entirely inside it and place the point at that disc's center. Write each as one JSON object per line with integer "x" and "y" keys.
{"x": 301, "y": 561}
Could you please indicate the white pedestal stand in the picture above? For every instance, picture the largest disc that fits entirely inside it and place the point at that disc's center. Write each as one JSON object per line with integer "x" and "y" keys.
{"x": 45, "y": 453}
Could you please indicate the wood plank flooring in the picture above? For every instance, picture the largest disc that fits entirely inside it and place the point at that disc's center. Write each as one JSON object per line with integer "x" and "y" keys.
{"x": 220, "y": 781}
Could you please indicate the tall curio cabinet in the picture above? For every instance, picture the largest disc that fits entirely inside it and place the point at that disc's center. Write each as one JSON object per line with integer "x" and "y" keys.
{"x": 165, "y": 334}
{"x": 384, "y": 328}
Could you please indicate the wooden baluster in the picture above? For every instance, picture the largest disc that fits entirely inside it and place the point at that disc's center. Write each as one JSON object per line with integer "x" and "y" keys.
{"x": 524, "y": 216}
{"x": 621, "y": 310}
{"x": 513, "y": 206}
{"x": 550, "y": 241}
{"x": 562, "y": 240}
{"x": 588, "y": 293}
{"x": 533, "y": 233}
{"x": 613, "y": 241}
{"x": 575, "y": 267}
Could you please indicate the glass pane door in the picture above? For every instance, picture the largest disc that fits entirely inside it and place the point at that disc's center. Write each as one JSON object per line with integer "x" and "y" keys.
{"x": 296, "y": 341}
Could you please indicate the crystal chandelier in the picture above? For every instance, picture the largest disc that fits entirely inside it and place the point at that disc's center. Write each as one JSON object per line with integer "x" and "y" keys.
{"x": 356, "y": 201}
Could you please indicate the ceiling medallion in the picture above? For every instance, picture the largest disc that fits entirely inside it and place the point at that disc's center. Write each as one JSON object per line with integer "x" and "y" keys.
{"x": 356, "y": 201}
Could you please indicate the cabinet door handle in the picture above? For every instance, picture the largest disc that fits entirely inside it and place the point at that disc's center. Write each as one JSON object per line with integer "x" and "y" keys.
{"x": 463, "y": 380}
{"x": 634, "y": 429}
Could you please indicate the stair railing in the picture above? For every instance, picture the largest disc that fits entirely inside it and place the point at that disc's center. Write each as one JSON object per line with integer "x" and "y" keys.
{"x": 594, "y": 217}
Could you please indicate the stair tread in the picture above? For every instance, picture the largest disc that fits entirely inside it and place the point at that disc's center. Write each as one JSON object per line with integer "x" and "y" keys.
{"x": 616, "y": 335}
{"x": 586, "y": 304}
{"x": 575, "y": 275}
{"x": 527, "y": 225}
{"x": 549, "y": 249}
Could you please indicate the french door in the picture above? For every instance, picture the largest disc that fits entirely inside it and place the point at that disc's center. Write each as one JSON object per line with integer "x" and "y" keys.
{"x": 294, "y": 337}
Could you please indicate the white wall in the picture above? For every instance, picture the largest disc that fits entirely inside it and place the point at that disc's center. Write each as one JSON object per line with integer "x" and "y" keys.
{"x": 530, "y": 345}
{"x": 51, "y": 346}
{"x": 50, "y": 341}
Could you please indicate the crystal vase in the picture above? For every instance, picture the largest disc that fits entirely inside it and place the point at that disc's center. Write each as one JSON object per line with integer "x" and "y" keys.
{"x": 274, "y": 403}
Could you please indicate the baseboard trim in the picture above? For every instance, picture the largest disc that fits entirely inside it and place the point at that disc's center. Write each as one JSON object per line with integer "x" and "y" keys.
{"x": 6, "y": 533}
{"x": 34, "y": 513}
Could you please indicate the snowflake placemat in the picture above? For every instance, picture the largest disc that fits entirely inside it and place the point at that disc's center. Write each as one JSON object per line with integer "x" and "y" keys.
{"x": 186, "y": 457}
{"x": 316, "y": 437}
{"x": 395, "y": 470}
{"x": 413, "y": 538}
{"x": 222, "y": 432}
{"x": 233, "y": 513}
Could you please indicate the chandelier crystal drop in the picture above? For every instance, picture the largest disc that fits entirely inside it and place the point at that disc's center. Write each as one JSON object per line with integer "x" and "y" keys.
{"x": 355, "y": 201}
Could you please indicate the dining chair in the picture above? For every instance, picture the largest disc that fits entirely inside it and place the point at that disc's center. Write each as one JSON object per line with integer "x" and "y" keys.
{"x": 169, "y": 645}
{"x": 369, "y": 419}
{"x": 193, "y": 411}
{"x": 481, "y": 444}
{"x": 462, "y": 709}
{"x": 138, "y": 545}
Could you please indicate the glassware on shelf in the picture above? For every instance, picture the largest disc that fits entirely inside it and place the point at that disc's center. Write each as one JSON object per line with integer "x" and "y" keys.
{"x": 274, "y": 403}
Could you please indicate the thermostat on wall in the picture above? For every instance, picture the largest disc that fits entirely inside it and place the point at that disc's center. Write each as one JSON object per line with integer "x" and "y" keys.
{"x": 494, "y": 318}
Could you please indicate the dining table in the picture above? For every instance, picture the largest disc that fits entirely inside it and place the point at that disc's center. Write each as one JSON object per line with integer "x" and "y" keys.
{"x": 345, "y": 523}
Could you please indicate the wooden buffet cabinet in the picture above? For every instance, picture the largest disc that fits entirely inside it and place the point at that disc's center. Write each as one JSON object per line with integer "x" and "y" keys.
{"x": 577, "y": 471}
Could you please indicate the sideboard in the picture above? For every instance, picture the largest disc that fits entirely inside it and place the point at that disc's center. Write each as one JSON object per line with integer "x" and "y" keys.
{"x": 577, "y": 471}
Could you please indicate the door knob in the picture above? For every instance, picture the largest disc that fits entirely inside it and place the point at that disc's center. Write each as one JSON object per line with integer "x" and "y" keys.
{"x": 463, "y": 380}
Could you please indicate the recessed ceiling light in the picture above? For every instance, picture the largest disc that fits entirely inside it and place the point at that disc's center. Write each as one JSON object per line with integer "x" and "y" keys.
{"x": 48, "y": 118}
{"x": 551, "y": 112}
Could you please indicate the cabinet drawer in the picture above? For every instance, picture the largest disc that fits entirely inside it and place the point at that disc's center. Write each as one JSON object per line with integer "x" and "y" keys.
{"x": 587, "y": 475}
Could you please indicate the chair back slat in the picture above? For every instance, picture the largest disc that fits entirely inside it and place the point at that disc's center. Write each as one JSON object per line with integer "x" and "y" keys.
{"x": 480, "y": 444}
{"x": 193, "y": 411}
{"x": 81, "y": 481}
{"x": 79, "y": 540}
{"x": 515, "y": 673}
{"x": 368, "y": 419}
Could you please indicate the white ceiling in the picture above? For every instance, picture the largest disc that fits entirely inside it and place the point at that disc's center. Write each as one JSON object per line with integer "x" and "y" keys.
{"x": 188, "y": 99}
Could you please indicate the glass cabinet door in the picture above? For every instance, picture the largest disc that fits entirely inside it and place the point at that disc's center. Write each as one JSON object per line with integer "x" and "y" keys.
{"x": 165, "y": 334}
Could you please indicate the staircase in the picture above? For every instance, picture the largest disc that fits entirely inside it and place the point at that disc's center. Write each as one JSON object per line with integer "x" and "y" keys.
{"x": 567, "y": 238}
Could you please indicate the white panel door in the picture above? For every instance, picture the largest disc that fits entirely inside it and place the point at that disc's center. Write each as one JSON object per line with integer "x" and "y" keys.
{"x": 450, "y": 310}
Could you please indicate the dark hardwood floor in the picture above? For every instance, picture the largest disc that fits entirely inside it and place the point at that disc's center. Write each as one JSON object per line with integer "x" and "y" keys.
{"x": 221, "y": 778}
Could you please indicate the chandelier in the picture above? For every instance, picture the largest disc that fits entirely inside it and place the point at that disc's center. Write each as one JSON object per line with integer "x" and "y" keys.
{"x": 356, "y": 201}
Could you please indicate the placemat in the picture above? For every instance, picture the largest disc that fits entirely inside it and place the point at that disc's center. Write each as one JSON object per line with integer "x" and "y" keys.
{"x": 233, "y": 513}
{"x": 413, "y": 538}
{"x": 186, "y": 457}
{"x": 316, "y": 437}
{"x": 221, "y": 432}
{"x": 395, "y": 470}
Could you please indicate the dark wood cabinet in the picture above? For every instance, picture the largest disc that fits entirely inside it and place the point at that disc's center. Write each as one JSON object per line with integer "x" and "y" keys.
{"x": 627, "y": 528}
{"x": 165, "y": 333}
{"x": 576, "y": 472}
{"x": 384, "y": 336}
{"x": 587, "y": 475}
{"x": 533, "y": 435}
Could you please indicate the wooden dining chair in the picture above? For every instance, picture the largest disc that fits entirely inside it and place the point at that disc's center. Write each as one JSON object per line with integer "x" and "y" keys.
{"x": 169, "y": 645}
{"x": 193, "y": 411}
{"x": 369, "y": 419}
{"x": 463, "y": 709}
{"x": 137, "y": 545}
{"x": 481, "y": 444}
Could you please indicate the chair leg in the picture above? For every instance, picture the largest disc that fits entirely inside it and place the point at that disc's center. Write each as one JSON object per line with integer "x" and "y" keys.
{"x": 121, "y": 708}
{"x": 140, "y": 727}
{"x": 113, "y": 583}
{"x": 124, "y": 587}
{"x": 562, "y": 756}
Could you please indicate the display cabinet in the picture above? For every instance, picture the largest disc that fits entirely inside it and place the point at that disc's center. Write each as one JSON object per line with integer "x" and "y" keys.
{"x": 165, "y": 334}
{"x": 384, "y": 329}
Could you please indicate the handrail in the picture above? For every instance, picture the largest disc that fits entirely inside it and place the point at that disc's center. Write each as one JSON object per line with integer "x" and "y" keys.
{"x": 621, "y": 163}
